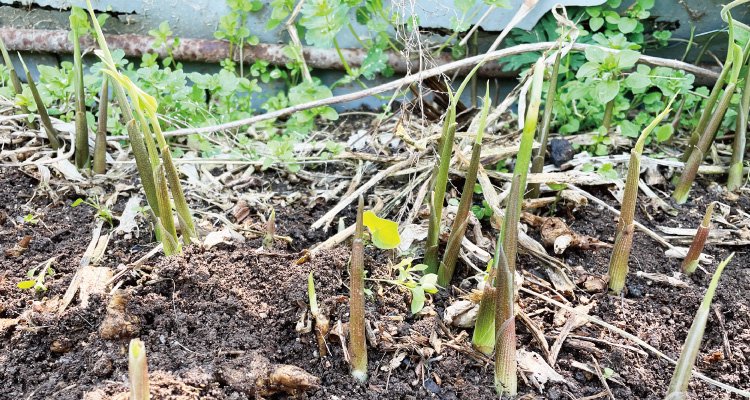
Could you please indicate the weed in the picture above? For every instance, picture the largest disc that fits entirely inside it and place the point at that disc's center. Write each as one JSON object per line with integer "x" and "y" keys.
{"x": 37, "y": 276}
{"x": 102, "y": 212}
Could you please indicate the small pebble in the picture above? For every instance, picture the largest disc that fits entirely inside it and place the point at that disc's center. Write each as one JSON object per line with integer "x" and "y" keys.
{"x": 561, "y": 151}
{"x": 430, "y": 385}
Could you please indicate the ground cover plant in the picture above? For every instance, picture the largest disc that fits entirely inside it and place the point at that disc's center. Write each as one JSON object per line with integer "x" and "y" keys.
{"x": 301, "y": 252}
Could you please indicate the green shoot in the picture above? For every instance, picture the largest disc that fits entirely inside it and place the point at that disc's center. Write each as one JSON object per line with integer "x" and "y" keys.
{"x": 79, "y": 26}
{"x": 690, "y": 263}
{"x": 357, "y": 344}
{"x": 505, "y": 327}
{"x": 618, "y": 263}
{"x": 166, "y": 180}
{"x": 684, "y": 369}
{"x": 321, "y": 321}
{"x": 407, "y": 277}
{"x": 37, "y": 283}
{"x": 14, "y": 80}
{"x": 461, "y": 221}
{"x": 437, "y": 196}
{"x": 268, "y": 238}
{"x": 483, "y": 338}
{"x": 537, "y": 163}
{"x": 41, "y": 109}
{"x": 521, "y": 170}
{"x": 138, "y": 370}
{"x": 735, "y": 178}
{"x": 734, "y": 62}
{"x": 100, "y": 144}
{"x": 102, "y": 212}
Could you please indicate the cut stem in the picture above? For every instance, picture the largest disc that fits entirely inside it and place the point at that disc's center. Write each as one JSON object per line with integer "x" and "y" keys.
{"x": 618, "y": 263}
{"x": 684, "y": 369}
{"x": 138, "y": 370}
{"x": 690, "y": 263}
{"x": 357, "y": 344}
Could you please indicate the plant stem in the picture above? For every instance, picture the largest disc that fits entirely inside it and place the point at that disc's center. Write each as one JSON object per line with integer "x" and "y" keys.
{"x": 321, "y": 321}
{"x": 538, "y": 156}
{"x": 684, "y": 369}
{"x": 15, "y": 82}
{"x": 138, "y": 370}
{"x": 82, "y": 129}
{"x": 618, "y": 262}
{"x": 100, "y": 144}
{"x": 690, "y": 263}
{"x": 734, "y": 180}
{"x": 461, "y": 221}
{"x": 166, "y": 219}
{"x": 41, "y": 109}
{"x": 708, "y": 109}
{"x": 505, "y": 328}
{"x": 608, "y": 111}
{"x": 357, "y": 344}
{"x": 440, "y": 177}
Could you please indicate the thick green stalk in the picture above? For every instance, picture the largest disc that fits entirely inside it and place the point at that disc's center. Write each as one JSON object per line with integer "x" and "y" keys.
{"x": 505, "y": 327}
{"x": 143, "y": 164}
{"x": 357, "y": 344}
{"x": 537, "y": 165}
{"x": 483, "y": 338}
{"x": 138, "y": 370}
{"x": 41, "y": 109}
{"x": 100, "y": 144}
{"x": 682, "y": 190}
{"x": 184, "y": 216}
{"x": 82, "y": 129}
{"x": 618, "y": 263}
{"x": 431, "y": 257}
{"x": 683, "y": 371}
{"x": 735, "y": 178}
{"x": 521, "y": 169}
{"x": 690, "y": 263}
{"x": 15, "y": 82}
{"x": 461, "y": 221}
{"x": 166, "y": 219}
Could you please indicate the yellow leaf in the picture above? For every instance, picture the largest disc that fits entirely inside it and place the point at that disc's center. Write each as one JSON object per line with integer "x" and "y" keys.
{"x": 384, "y": 232}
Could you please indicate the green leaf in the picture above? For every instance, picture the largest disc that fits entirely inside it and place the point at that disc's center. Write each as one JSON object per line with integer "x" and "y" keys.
{"x": 627, "y": 25}
{"x": 637, "y": 81}
{"x": 322, "y": 20}
{"x": 417, "y": 299}
{"x": 77, "y": 203}
{"x": 596, "y": 54}
{"x": 26, "y": 284}
{"x": 595, "y": 23}
{"x": 627, "y": 58}
{"x": 588, "y": 70}
{"x": 629, "y": 129}
{"x": 664, "y": 132}
{"x": 384, "y": 232}
{"x": 429, "y": 283}
{"x": 607, "y": 90}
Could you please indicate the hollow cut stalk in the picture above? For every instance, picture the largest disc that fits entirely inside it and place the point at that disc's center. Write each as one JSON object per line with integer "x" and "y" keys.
{"x": 437, "y": 197}
{"x": 357, "y": 344}
{"x": 138, "y": 370}
{"x": 537, "y": 163}
{"x": 683, "y": 371}
{"x": 506, "y": 379}
{"x": 690, "y": 263}
{"x": 461, "y": 221}
{"x": 14, "y": 80}
{"x": 82, "y": 129}
{"x": 735, "y": 177}
{"x": 41, "y": 109}
{"x": 618, "y": 262}
{"x": 100, "y": 144}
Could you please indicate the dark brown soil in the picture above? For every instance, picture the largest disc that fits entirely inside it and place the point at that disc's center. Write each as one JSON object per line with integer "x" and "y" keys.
{"x": 208, "y": 312}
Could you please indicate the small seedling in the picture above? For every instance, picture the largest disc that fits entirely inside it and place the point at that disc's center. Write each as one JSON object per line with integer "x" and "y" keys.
{"x": 408, "y": 277}
{"x": 31, "y": 219}
{"x": 270, "y": 235}
{"x": 684, "y": 369}
{"x": 618, "y": 263}
{"x": 138, "y": 370}
{"x": 321, "y": 321}
{"x": 36, "y": 279}
{"x": 102, "y": 212}
{"x": 690, "y": 263}
{"x": 357, "y": 344}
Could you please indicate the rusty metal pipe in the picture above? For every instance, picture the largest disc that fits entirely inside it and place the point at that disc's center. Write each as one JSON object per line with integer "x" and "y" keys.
{"x": 213, "y": 51}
